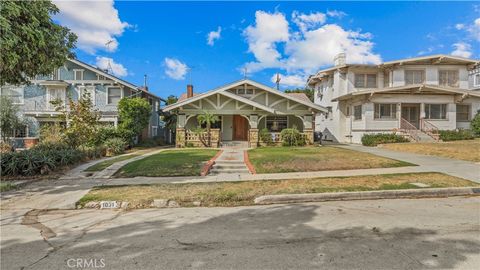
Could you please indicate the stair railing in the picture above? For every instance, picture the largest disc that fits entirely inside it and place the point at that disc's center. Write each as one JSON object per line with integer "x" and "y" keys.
{"x": 430, "y": 129}
{"x": 409, "y": 129}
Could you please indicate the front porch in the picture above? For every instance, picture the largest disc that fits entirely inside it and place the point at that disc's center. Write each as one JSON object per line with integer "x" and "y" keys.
{"x": 241, "y": 130}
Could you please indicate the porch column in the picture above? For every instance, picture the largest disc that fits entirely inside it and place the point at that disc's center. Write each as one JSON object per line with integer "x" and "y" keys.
{"x": 422, "y": 110}
{"x": 308, "y": 128}
{"x": 180, "y": 134}
{"x": 399, "y": 114}
{"x": 253, "y": 131}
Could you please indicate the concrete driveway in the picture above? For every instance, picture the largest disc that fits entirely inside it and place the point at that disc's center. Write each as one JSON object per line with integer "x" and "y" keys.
{"x": 383, "y": 234}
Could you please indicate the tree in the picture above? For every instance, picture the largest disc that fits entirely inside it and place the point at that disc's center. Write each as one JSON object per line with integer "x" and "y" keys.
{"x": 309, "y": 92}
{"x": 30, "y": 42}
{"x": 170, "y": 119}
{"x": 81, "y": 119}
{"x": 134, "y": 115}
{"x": 208, "y": 119}
{"x": 10, "y": 119}
{"x": 475, "y": 124}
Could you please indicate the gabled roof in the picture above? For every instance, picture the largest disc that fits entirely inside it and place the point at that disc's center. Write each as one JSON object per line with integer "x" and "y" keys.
{"x": 421, "y": 88}
{"x": 223, "y": 88}
{"x": 111, "y": 77}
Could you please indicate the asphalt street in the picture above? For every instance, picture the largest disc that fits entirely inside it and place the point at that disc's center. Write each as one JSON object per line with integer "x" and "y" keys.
{"x": 379, "y": 234}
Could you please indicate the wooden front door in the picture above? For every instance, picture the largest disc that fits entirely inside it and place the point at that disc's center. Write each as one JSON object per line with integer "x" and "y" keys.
{"x": 240, "y": 128}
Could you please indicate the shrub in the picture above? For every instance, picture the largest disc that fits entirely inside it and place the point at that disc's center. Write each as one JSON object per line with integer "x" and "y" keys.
{"x": 115, "y": 146}
{"x": 5, "y": 147}
{"x": 376, "y": 139}
{"x": 52, "y": 133}
{"x": 292, "y": 137}
{"x": 455, "y": 135}
{"x": 475, "y": 124}
{"x": 265, "y": 136}
{"x": 94, "y": 152}
{"x": 40, "y": 159}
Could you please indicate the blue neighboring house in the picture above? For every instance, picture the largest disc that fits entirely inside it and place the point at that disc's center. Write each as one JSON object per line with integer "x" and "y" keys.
{"x": 73, "y": 79}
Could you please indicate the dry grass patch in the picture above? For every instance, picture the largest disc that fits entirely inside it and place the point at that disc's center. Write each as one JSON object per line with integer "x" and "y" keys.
{"x": 243, "y": 193}
{"x": 304, "y": 159}
{"x": 468, "y": 150}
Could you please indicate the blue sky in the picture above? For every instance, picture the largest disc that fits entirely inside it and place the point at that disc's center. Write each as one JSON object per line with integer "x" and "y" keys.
{"x": 169, "y": 42}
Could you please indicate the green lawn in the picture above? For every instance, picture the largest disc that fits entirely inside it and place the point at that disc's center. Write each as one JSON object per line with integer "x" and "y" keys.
{"x": 105, "y": 164}
{"x": 303, "y": 159}
{"x": 244, "y": 192}
{"x": 185, "y": 162}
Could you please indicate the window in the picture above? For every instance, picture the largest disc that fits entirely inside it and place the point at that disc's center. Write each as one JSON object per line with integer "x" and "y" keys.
{"x": 385, "y": 111}
{"x": 357, "y": 112}
{"x": 101, "y": 77}
{"x": 55, "y": 95}
{"x": 114, "y": 94}
{"x": 386, "y": 79}
{"x": 276, "y": 123}
{"x": 448, "y": 78}
{"x": 78, "y": 74}
{"x": 463, "y": 112}
{"x": 348, "y": 113}
{"x": 21, "y": 132}
{"x": 365, "y": 80}
{"x": 154, "y": 131}
{"x": 476, "y": 79}
{"x": 435, "y": 111}
{"x": 414, "y": 76}
{"x": 90, "y": 90}
{"x": 55, "y": 75}
{"x": 245, "y": 91}
{"x": 16, "y": 94}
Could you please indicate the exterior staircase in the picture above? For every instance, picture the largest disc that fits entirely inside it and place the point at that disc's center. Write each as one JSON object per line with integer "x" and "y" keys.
{"x": 427, "y": 132}
{"x": 229, "y": 167}
{"x": 234, "y": 144}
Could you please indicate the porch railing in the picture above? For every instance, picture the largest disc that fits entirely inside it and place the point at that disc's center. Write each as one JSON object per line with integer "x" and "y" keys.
{"x": 430, "y": 129}
{"x": 277, "y": 136}
{"x": 195, "y": 138}
{"x": 409, "y": 129}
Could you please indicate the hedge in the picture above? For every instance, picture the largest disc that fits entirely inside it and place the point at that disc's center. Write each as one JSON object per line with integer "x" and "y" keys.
{"x": 456, "y": 135}
{"x": 382, "y": 138}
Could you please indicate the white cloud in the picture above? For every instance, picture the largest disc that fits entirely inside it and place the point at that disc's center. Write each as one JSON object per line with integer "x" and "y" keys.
{"x": 304, "y": 51}
{"x": 175, "y": 69}
{"x": 462, "y": 49}
{"x": 214, "y": 35}
{"x": 269, "y": 29}
{"x": 117, "y": 69}
{"x": 306, "y": 22}
{"x": 474, "y": 29}
{"x": 94, "y": 22}
{"x": 290, "y": 80}
{"x": 336, "y": 13}
{"x": 459, "y": 26}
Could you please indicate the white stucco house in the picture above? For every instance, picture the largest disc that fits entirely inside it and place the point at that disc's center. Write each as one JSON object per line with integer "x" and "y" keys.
{"x": 416, "y": 96}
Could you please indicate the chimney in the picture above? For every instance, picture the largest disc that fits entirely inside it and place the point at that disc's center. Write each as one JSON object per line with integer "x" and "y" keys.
{"x": 340, "y": 59}
{"x": 189, "y": 90}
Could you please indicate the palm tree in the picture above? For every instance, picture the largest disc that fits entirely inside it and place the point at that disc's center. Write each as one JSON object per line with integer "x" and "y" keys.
{"x": 208, "y": 119}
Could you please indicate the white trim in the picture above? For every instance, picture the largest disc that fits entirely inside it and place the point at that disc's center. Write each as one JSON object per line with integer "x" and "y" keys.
{"x": 75, "y": 74}
{"x": 107, "y": 90}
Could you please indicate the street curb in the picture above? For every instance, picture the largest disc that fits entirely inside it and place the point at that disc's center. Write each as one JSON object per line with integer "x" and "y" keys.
{"x": 368, "y": 195}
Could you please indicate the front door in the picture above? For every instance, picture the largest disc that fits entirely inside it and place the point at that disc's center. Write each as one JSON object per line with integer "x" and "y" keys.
{"x": 411, "y": 113}
{"x": 240, "y": 128}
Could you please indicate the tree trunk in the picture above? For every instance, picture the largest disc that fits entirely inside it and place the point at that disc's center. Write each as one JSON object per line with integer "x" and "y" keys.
{"x": 208, "y": 135}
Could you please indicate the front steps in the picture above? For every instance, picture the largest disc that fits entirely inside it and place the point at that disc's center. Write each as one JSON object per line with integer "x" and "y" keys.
{"x": 229, "y": 167}
{"x": 234, "y": 144}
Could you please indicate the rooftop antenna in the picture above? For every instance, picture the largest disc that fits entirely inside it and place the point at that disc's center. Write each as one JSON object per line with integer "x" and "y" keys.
{"x": 277, "y": 81}
{"x": 109, "y": 65}
{"x": 190, "y": 74}
{"x": 245, "y": 73}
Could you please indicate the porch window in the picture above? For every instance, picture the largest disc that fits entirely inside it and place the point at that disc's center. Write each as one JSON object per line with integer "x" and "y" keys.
{"x": 477, "y": 79}
{"x": 16, "y": 94}
{"x": 414, "y": 76}
{"x": 435, "y": 111}
{"x": 21, "y": 132}
{"x": 463, "y": 112}
{"x": 448, "y": 78}
{"x": 385, "y": 111}
{"x": 276, "y": 123}
{"x": 365, "y": 80}
{"x": 114, "y": 94}
{"x": 357, "y": 112}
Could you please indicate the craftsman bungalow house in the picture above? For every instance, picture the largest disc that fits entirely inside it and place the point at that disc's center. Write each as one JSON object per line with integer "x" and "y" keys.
{"x": 415, "y": 97}
{"x": 244, "y": 107}
{"x": 73, "y": 79}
